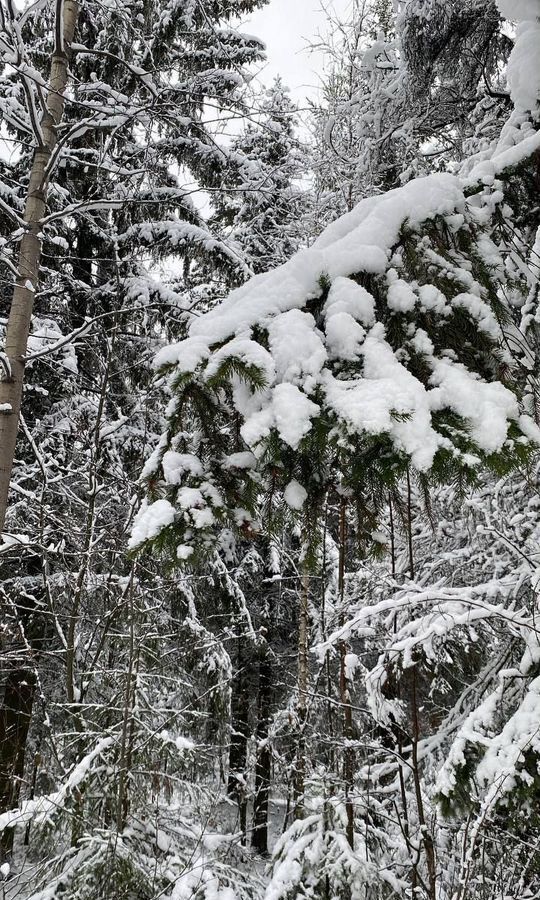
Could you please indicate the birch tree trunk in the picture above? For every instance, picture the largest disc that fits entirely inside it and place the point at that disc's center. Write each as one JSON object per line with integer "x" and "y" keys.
{"x": 18, "y": 327}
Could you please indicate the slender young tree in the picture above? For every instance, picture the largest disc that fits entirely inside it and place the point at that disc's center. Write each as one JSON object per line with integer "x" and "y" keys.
{"x": 45, "y": 111}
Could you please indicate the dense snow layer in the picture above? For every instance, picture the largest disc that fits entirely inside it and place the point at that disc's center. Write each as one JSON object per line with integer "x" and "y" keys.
{"x": 524, "y": 67}
{"x": 383, "y": 396}
{"x": 150, "y": 520}
{"x": 295, "y": 495}
{"x": 524, "y": 64}
{"x": 359, "y": 241}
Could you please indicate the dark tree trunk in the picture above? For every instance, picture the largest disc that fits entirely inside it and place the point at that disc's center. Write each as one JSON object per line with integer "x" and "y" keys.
{"x": 263, "y": 762}
{"x": 29, "y": 634}
{"x": 15, "y": 716}
{"x": 302, "y": 704}
{"x": 345, "y": 687}
{"x": 236, "y": 784}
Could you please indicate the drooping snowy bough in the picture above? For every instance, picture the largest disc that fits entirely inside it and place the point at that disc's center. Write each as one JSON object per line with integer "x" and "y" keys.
{"x": 390, "y": 342}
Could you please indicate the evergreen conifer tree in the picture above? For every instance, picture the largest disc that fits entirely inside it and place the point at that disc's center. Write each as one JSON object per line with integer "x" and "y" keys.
{"x": 264, "y": 214}
{"x": 379, "y": 353}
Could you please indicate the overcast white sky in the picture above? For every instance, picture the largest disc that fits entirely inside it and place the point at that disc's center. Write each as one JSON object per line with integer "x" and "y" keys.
{"x": 286, "y": 27}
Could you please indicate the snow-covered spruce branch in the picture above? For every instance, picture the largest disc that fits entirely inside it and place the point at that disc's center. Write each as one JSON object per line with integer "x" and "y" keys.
{"x": 145, "y": 77}
{"x": 83, "y": 330}
{"x": 45, "y": 807}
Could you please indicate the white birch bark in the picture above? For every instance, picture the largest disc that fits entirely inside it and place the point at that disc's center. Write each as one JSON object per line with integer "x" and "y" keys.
{"x": 18, "y": 327}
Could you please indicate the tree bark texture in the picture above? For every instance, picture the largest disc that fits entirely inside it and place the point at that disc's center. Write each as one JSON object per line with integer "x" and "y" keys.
{"x": 301, "y": 711}
{"x": 20, "y": 316}
{"x": 263, "y": 763}
{"x": 236, "y": 784}
{"x": 19, "y": 693}
{"x": 15, "y": 716}
{"x": 345, "y": 686}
